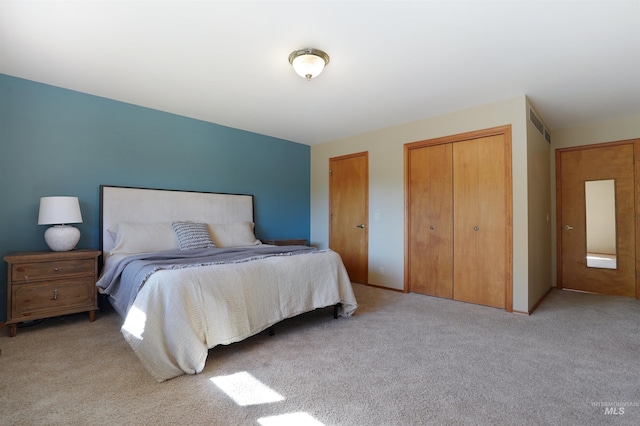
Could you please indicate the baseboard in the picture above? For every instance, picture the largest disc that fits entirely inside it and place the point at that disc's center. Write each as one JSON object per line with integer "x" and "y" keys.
{"x": 534, "y": 307}
{"x": 385, "y": 288}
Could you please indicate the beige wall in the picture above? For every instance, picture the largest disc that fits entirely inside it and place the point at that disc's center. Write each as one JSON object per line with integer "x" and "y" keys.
{"x": 539, "y": 208}
{"x": 598, "y": 132}
{"x": 386, "y": 188}
{"x": 533, "y": 164}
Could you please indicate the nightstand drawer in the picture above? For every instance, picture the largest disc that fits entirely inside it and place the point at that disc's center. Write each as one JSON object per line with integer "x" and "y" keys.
{"x": 44, "y": 299}
{"x": 27, "y": 272}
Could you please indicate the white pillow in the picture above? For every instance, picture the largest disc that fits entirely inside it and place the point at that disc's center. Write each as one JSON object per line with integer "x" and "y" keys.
{"x": 135, "y": 238}
{"x": 113, "y": 232}
{"x": 233, "y": 234}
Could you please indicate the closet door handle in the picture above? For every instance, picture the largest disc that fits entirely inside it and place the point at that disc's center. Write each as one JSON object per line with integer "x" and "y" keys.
{"x": 432, "y": 227}
{"x": 476, "y": 228}
{"x": 360, "y": 226}
{"x": 568, "y": 227}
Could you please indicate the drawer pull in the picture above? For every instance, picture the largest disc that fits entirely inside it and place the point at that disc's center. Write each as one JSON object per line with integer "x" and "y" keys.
{"x": 56, "y": 269}
{"x": 55, "y": 294}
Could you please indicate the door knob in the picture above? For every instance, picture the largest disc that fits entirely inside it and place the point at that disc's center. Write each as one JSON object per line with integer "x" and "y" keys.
{"x": 568, "y": 228}
{"x": 360, "y": 226}
{"x": 432, "y": 227}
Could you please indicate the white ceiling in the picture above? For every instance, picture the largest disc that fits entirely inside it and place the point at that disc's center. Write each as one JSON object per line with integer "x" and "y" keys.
{"x": 392, "y": 62}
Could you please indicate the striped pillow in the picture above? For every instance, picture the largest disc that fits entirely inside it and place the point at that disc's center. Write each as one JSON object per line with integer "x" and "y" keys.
{"x": 192, "y": 235}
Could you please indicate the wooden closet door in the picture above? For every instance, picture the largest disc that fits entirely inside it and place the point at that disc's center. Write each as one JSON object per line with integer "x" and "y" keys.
{"x": 430, "y": 265}
{"x": 480, "y": 220}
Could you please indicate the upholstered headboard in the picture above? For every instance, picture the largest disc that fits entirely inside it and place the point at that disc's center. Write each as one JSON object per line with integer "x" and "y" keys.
{"x": 144, "y": 205}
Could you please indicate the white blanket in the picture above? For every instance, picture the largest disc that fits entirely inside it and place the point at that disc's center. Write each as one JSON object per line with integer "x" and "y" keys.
{"x": 179, "y": 314}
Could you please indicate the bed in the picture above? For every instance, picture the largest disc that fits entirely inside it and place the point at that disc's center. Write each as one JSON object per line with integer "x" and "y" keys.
{"x": 186, "y": 272}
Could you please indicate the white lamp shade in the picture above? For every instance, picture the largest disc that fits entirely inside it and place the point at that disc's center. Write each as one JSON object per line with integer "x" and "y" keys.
{"x": 59, "y": 211}
{"x": 308, "y": 66}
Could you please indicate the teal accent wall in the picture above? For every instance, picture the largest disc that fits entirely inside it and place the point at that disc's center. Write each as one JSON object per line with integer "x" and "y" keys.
{"x": 55, "y": 141}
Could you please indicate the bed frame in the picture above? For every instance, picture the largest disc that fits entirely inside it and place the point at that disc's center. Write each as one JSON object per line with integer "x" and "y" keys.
{"x": 130, "y": 204}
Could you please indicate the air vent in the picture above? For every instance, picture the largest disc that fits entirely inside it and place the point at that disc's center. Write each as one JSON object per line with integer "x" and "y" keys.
{"x": 537, "y": 123}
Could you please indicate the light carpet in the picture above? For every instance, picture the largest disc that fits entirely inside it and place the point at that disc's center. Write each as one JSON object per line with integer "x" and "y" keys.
{"x": 402, "y": 359}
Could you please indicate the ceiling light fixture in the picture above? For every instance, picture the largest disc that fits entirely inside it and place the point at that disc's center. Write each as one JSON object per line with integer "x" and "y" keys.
{"x": 308, "y": 63}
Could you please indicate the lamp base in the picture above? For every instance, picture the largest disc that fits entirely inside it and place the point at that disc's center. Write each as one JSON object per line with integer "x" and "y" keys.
{"x": 62, "y": 237}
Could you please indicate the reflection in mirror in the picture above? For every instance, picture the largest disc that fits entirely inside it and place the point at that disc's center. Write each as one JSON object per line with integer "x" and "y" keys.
{"x": 600, "y": 201}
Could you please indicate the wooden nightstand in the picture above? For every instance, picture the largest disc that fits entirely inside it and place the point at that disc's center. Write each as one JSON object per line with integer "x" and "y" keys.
{"x": 49, "y": 284}
{"x": 285, "y": 242}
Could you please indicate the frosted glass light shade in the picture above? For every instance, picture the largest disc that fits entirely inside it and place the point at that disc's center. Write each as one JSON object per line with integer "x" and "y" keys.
{"x": 308, "y": 63}
{"x": 60, "y": 211}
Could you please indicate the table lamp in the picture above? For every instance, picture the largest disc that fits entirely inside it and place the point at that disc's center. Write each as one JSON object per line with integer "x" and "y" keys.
{"x": 60, "y": 211}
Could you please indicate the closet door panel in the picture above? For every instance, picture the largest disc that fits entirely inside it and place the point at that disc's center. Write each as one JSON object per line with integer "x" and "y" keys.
{"x": 480, "y": 221}
{"x": 492, "y": 216}
{"x": 466, "y": 240}
{"x": 431, "y": 221}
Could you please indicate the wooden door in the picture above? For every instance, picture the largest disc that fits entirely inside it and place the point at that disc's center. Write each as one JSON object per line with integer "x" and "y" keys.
{"x": 430, "y": 219}
{"x": 481, "y": 186}
{"x": 349, "y": 213}
{"x": 574, "y": 168}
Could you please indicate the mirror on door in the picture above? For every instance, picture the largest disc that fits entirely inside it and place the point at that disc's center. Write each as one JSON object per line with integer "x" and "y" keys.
{"x": 600, "y": 200}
